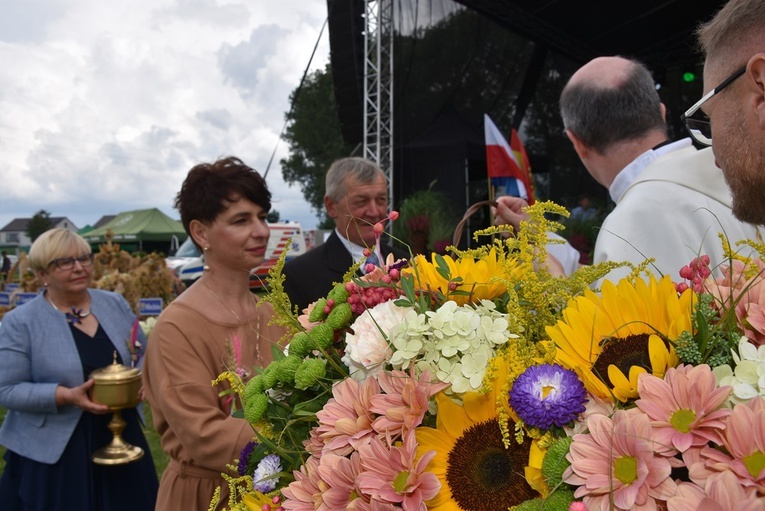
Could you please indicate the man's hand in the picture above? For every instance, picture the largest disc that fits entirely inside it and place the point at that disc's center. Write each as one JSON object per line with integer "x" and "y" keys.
{"x": 509, "y": 211}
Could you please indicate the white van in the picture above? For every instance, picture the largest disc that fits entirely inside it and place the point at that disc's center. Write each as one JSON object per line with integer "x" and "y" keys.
{"x": 188, "y": 263}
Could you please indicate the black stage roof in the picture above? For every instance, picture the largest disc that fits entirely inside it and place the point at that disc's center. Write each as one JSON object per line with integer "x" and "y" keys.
{"x": 658, "y": 32}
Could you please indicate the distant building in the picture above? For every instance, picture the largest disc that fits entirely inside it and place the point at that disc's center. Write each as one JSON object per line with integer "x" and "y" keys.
{"x": 14, "y": 234}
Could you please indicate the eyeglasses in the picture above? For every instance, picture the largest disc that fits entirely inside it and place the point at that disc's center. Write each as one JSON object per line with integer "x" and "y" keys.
{"x": 700, "y": 129}
{"x": 67, "y": 263}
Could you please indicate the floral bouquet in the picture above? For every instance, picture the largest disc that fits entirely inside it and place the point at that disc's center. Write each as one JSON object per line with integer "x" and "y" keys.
{"x": 484, "y": 382}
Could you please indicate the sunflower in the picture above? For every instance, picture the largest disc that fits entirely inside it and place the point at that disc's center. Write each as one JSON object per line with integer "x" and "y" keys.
{"x": 474, "y": 467}
{"x": 476, "y": 275}
{"x": 609, "y": 340}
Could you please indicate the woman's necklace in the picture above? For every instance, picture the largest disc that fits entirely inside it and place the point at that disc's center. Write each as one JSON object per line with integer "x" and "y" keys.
{"x": 237, "y": 344}
{"x": 238, "y": 321}
{"x": 74, "y": 317}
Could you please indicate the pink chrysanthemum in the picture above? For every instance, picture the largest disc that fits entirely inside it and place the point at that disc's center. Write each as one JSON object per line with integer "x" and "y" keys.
{"x": 339, "y": 473}
{"x": 614, "y": 466}
{"x": 722, "y": 492}
{"x": 345, "y": 422}
{"x": 747, "y": 294}
{"x": 404, "y": 403}
{"x": 375, "y": 505}
{"x": 314, "y": 445}
{"x": 744, "y": 442}
{"x": 305, "y": 492}
{"x": 684, "y": 407}
{"x": 394, "y": 475}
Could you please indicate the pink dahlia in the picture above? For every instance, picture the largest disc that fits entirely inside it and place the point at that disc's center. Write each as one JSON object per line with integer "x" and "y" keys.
{"x": 345, "y": 422}
{"x": 404, "y": 403}
{"x": 394, "y": 475}
{"x": 685, "y": 407}
{"x": 305, "y": 493}
{"x": 744, "y": 442}
{"x": 615, "y": 464}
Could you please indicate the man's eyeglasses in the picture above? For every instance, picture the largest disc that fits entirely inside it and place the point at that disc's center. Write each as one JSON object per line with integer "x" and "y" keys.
{"x": 67, "y": 263}
{"x": 699, "y": 128}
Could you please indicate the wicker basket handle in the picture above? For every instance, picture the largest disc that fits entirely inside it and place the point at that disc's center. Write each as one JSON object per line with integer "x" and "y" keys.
{"x": 470, "y": 212}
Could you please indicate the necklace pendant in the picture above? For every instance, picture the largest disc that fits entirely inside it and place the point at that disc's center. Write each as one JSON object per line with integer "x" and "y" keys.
{"x": 73, "y": 319}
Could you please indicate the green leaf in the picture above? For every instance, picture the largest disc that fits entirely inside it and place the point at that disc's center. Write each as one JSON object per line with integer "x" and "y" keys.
{"x": 442, "y": 268}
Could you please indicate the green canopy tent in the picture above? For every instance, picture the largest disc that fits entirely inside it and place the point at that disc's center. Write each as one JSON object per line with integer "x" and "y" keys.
{"x": 145, "y": 230}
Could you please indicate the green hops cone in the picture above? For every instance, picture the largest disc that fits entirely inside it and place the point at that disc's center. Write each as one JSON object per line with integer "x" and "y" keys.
{"x": 300, "y": 345}
{"x": 286, "y": 367}
{"x": 254, "y": 386}
{"x": 310, "y": 372}
{"x": 340, "y": 316}
{"x": 317, "y": 313}
{"x": 321, "y": 336}
{"x": 269, "y": 376}
{"x": 339, "y": 294}
{"x": 555, "y": 462}
{"x": 255, "y": 407}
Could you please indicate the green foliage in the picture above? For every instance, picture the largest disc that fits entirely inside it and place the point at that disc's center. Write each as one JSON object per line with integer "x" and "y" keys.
{"x": 715, "y": 335}
{"x": 314, "y": 137}
{"x": 425, "y": 217}
{"x": 555, "y": 462}
{"x": 39, "y": 223}
{"x": 558, "y": 500}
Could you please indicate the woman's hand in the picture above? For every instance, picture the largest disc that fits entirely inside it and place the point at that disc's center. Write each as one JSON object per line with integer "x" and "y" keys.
{"x": 78, "y": 397}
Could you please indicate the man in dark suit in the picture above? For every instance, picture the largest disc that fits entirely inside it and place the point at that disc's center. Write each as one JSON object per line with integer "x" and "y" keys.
{"x": 356, "y": 198}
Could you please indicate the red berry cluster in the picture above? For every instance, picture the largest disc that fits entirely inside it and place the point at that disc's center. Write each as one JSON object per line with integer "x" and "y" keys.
{"x": 277, "y": 501}
{"x": 695, "y": 272}
{"x": 366, "y": 297}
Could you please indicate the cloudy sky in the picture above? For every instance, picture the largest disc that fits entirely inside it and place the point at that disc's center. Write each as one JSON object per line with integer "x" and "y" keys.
{"x": 106, "y": 105}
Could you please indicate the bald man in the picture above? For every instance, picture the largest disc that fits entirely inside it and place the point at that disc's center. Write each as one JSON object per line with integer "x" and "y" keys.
{"x": 671, "y": 199}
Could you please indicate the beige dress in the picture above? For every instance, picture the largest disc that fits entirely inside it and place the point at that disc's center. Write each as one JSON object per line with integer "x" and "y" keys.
{"x": 186, "y": 352}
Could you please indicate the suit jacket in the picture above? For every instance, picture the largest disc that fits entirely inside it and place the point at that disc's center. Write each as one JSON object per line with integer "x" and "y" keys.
{"x": 312, "y": 275}
{"x": 37, "y": 354}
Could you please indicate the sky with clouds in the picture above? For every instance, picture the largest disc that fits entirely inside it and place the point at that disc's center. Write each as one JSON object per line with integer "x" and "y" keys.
{"x": 105, "y": 106}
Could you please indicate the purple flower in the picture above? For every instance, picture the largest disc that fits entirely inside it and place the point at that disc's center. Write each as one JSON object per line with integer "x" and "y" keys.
{"x": 547, "y": 395}
{"x": 264, "y": 479}
{"x": 244, "y": 457}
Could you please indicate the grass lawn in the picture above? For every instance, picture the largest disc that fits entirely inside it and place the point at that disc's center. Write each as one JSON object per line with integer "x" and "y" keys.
{"x": 159, "y": 456}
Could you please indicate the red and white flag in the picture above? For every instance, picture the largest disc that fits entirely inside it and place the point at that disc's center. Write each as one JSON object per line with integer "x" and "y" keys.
{"x": 508, "y": 168}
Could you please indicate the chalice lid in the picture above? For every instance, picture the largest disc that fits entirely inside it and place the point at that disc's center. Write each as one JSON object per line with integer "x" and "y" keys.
{"x": 115, "y": 373}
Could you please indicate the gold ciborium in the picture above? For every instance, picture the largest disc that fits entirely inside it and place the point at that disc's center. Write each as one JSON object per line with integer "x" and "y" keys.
{"x": 116, "y": 386}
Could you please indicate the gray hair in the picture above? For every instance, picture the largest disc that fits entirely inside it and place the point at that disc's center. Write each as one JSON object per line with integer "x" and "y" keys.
{"x": 602, "y": 116}
{"x": 364, "y": 171}
{"x": 738, "y": 26}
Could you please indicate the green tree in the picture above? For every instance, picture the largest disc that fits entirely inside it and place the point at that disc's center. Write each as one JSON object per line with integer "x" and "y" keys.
{"x": 273, "y": 216}
{"x": 314, "y": 137}
{"x": 39, "y": 223}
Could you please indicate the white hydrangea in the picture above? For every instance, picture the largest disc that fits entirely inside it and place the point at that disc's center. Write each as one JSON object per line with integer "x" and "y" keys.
{"x": 454, "y": 343}
{"x": 748, "y": 377}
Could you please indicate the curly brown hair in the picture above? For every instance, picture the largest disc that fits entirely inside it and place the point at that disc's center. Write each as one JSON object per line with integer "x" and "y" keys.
{"x": 208, "y": 186}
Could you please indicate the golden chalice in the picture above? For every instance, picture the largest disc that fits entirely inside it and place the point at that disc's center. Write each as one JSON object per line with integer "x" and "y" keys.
{"x": 116, "y": 386}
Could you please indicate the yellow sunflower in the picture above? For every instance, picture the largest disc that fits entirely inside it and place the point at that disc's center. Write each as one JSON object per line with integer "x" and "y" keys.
{"x": 609, "y": 340}
{"x": 474, "y": 467}
{"x": 476, "y": 276}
